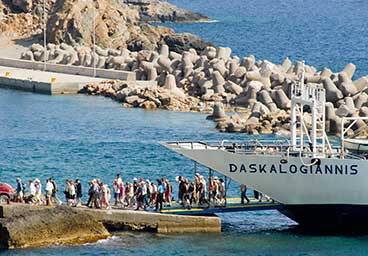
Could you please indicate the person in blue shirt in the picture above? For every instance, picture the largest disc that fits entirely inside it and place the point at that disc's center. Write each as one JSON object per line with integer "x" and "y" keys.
{"x": 160, "y": 195}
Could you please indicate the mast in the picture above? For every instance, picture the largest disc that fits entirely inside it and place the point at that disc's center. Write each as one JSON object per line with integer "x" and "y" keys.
{"x": 313, "y": 98}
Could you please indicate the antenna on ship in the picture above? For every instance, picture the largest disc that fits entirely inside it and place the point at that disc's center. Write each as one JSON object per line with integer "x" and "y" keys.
{"x": 308, "y": 97}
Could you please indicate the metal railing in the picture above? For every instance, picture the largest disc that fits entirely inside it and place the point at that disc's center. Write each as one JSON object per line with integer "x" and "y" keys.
{"x": 281, "y": 148}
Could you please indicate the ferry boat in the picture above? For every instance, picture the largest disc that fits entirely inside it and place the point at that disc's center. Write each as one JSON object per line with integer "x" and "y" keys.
{"x": 319, "y": 185}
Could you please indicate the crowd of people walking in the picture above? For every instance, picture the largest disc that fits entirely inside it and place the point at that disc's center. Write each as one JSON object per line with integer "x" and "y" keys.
{"x": 139, "y": 194}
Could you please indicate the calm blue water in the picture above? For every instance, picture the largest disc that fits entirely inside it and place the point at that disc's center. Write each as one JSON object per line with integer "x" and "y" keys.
{"x": 86, "y": 137}
{"x": 323, "y": 32}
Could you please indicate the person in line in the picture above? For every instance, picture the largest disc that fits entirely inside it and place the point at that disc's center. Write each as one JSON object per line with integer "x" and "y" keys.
{"x": 211, "y": 189}
{"x": 192, "y": 193}
{"x": 106, "y": 195}
{"x": 49, "y": 188}
{"x": 222, "y": 192}
{"x": 258, "y": 195}
{"x": 95, "y": 195}
{"x": 72, "y": 192}
{"x": 122, "y": 193}
{"x": 139, "y": 196}
{"x": 144, "y": 194}
{"x": 135, "y": 187}
{"x": 168, "y": 192}
{"x": 116, "y": 188}
{"x": 160, "y": 195}
{"x": 67, "y": 192}
{"x": 32, "y": 192}
{"x": 243, "y": 194}
{"x": 90, "y": 193}
{"x": 19, "y": 191}
{"x": 129, "y": 194}
{"x": 38, "y": 186}
{"x": 216, "y": 190}
{"x": 119, "y": 179}
{"x": 187, "y": 195}
{"x": 148, "y": 193}
{"x": 54, "y": 195}
{"x": 153, "y": 194}
{"x": 181, "y": 189}
{"x": 78, "y": 190}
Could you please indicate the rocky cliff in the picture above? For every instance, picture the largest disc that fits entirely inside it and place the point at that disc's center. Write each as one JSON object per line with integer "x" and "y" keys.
{"x": 157, "y": 11}
{"x": 117, "y": 24}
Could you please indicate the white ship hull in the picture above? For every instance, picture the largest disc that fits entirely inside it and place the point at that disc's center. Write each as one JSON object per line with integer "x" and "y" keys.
{"x": 335, "y": 191}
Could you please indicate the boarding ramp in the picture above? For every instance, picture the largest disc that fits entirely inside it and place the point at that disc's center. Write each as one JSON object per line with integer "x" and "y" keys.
{"x": 232, "y": 205}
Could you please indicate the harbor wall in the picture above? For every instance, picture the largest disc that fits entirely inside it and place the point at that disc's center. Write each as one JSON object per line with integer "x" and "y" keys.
{"x": 40, "y": 87}
{"x": 68, "y": 69}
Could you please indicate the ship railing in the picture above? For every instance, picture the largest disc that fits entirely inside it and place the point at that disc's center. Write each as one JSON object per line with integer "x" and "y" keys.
{"x": 264, "y": 147}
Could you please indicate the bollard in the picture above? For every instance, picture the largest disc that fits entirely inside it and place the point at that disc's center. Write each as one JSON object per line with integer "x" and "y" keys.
{"x": 7, "y": 73}
{"x": 53, "y": 79}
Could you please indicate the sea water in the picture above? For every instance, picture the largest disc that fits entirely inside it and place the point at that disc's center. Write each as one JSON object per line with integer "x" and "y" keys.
{"x": 69, "y": 137}
{"x": 324, "y": 33}
{"x": 89, "y": 137}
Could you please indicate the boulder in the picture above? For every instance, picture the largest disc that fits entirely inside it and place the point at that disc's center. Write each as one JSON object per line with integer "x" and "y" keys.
{"x": 363, "y": 112}
{"x": 223, "y": 53}
{"x": 330, "y": 111}
{"x": 170, "y": 85}
{"x": 248, "y": 62}
{"x": 326, "y": 73}
{"x": 149, "y": 105}
{"x": 286, "y": 64}
{"x": 345, "y": 84}
{"x": 332, "y": 93}
{"x": 349, "y": 70}
{"x": 345, "y": 111}
{"x": 218, "y": 82}
{"x": 218, "y": 113}
{"x": 361, "y": 83}
{"x": 281, "y": 99}
{"x": 233, "y": 87}
{"x": 164, "y": 50}
{"x": 360, "y": 100}
{"x": 54, "y": 225}
{"x": 183, "y": 42}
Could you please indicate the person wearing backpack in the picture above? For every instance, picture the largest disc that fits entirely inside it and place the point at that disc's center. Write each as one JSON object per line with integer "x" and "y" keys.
{"x": 54, "y": 196}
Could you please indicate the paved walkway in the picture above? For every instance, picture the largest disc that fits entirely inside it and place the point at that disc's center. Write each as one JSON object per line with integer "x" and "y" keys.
{"x": 45, "y": 77}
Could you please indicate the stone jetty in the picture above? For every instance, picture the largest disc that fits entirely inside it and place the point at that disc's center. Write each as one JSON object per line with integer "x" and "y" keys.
{"x": 214, "y": 80}
{"x": 25, "y": 226}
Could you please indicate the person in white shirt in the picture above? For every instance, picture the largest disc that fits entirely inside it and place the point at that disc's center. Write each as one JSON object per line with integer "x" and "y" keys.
{"x": 49, "y": 188}
{"x": 38, "y": 187}
{"x": 32, "y": 189}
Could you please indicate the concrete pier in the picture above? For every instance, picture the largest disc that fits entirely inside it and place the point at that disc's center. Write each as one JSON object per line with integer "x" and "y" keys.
{"x": 43, "y": 82}
{"x": 57, "y": 79}
{"x": 23, "y": 226}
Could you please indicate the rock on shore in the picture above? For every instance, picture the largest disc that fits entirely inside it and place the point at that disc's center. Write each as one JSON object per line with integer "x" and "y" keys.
{"x": 117, "y": 24}
{"x": 261, "y": 90}
{"x": 161, "y": 11}
{"x": 32, "y": 226}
